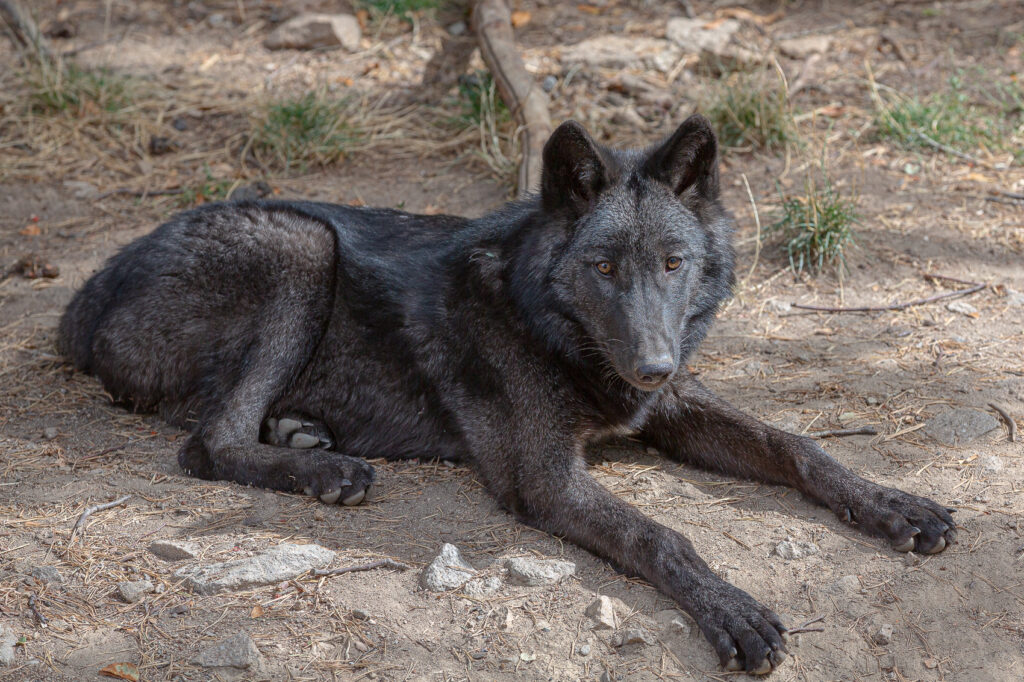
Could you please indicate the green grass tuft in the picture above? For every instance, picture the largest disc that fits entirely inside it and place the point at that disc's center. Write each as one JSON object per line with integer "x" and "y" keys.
{"x": 816, "y": 227}
{"x": 72, "y": 89}
{"x": 751, "y": 109}
{"x": 480, "y": 101}
{"x": 400, "y": 7}
{"x": 209, "y": 189}
{"x": 309, "y": 130}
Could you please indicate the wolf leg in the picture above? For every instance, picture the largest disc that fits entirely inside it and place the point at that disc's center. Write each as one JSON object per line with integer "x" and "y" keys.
{"x": 692, "y": 424}
{"x": 555, "y": 493}
{"x": 226, "y": 444}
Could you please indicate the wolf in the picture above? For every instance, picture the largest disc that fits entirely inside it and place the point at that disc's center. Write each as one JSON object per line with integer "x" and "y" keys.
{"x": 509, "y": 342}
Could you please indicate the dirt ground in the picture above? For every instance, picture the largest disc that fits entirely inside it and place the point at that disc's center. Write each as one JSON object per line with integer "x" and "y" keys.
{"x": 958, "y": 615}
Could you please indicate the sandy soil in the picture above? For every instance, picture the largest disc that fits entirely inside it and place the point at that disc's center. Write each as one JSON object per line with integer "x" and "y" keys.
{"x": 63, "y": 447}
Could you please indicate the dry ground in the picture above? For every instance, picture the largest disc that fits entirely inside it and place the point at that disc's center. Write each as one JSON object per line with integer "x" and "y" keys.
{"x": 956, "y": 616}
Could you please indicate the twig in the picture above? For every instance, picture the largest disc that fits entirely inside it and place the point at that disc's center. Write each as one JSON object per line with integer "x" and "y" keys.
{"x": 1011, "y": 425}
{"x": 80, "y": 523}
{"x": 946, "y": 148}
{"x": 141, "y": 192}
{"x": 757, "y": 220}
{"x": 974, "y": 288}
{"x": 35, "y": 611}
{"x": 805, "y": 627}
{"x": 24, "y": 30}
{"x": 528, "y": 103}
{"x": 835, "y": 433}
{"x": 380, "y": 563}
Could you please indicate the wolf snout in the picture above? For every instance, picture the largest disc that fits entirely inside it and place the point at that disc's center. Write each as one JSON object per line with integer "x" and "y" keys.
{"x": 653, "y": 373}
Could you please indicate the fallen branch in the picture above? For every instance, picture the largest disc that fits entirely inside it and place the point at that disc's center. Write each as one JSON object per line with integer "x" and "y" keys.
{"x": 805, "y": 627}
{"x": 974, "y": 288}
{"x": 528, "y": 103}
{"x": 92, "y": 510}
{"x": 142, "y": 192}
{"x": 380, "y": 563}
{"x": 1011, "y": 425}
{"x": 836, "y": 433}
{"x": 24, "y": 30}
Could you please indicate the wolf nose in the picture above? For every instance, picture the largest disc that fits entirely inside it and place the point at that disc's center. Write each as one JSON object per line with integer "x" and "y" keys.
{"x": 656, "y": 371}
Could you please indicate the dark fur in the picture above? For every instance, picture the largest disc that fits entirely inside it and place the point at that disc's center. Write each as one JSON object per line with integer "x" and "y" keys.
{"x": 495, "y": 341}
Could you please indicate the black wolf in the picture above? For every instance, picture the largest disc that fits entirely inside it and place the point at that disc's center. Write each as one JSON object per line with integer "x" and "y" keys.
{"x": 509, "y": 342}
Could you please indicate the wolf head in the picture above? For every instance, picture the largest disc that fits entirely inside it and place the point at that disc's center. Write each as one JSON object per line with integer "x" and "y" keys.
{"x": 647, "y": 258}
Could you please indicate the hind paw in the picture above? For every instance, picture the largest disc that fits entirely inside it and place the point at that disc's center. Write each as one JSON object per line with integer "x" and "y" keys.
{"x": 297, "y": 433}
{"x": 334, "y": 478}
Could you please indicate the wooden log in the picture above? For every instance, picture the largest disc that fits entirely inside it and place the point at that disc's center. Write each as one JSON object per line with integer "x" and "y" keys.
{"x": 528, "y": 103}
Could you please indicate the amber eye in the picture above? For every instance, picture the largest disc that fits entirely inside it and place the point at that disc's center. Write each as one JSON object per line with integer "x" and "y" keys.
{"x": 605, "y": 268}
{"x": 673, "y": 263}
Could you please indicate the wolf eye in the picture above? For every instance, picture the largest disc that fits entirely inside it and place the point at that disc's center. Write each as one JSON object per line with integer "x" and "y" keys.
{"x": 605, "y": 268}
{"x": 673, "y": 263}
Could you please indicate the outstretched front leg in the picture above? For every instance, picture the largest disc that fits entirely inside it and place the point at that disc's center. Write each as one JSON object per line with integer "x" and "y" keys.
{"x": 692, "y": 424}
{"x": 546, "y": 483}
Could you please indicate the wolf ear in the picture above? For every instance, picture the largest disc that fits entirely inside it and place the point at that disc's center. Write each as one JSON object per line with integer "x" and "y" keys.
{"x": 574, "y": 171}
{"x": 688, "y": 159}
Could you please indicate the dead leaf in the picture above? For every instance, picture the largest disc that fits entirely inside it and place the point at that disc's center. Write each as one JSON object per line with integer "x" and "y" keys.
{"x": 30, "y": 230}
{"x": 832, "y": 111}
{"x": 122, "y": 671}
{"x": 746, "y": 15}
{"x": 256, "y": 612}
{"x": 589, "y": 9}
{"x": 520, "y": 18}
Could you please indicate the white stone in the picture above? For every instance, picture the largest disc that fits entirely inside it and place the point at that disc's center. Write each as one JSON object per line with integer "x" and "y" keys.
{"x": 535, "y": 572}
{"x": 788, "y": 549}
{"x": 602, "y": 612}
{"x": 695, "y": 36}
{"x": 284, "y": 562}
{"x": 175, "y": 550}
{"x": 312, "y": 30}
{"x": 238, "y": 651}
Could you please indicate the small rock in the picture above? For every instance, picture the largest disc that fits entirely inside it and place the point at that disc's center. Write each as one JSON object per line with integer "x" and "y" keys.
{"x": 802, "y": 48}
{"x": 549, "y": 83}
{"x": 535, "y": 572}
{"x": 360, "y": 614}
{"x": 790, "y": 550}
{"x": 960, "y": 426}
{"x": 617, "y": 52}
{"x": 179, "y": 124}
{"x": 583, "y": 650}
{"x": 457, "y": 28}
{"x": 46, "y": 574}
{"x": 283, "y": 562}
{"x": 361, "y": 646}
{"x": 8, "y": 640}
{"x": 308, "y": 31}
{"x": 962, "y": 307}
{"x": 527, "y": 657}
{"x": 174, "y": 550}
{"x": 50, "y": 432}
{"x": 251, "y": 192}
{"x": 602, "y": 612}
{"x": 134, "y": 590}
{"x": 159, "y": 145}
{"x": 238, "y": 651}
{"x": 717, "y": 42}
{"x": 1013, "y": 298}
{"x": 449, "y": 571}
{"x": 847, "y": 585}
{"x": 884, "y": 634}
{"x": 991, "y": 464}
{"x": 777, "y": 306}
{"x": 673, "y": 621}
{"x": 80, "y": 189}
{"x": 632, "y": 636}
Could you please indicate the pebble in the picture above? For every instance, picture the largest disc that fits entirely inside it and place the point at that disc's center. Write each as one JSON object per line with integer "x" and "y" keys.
{"x": 583, "y": 650}
{"x": 631, "y": 636}
{"x": 549, "y": 83}
{"x": 790, "y": 550}
{"x": 312, "y": 30}
{"x": 449, "y": 571}
{"x": 884, "y": 634}
{"x": 962, "y": 307}
{"x": 536, "y": 572}
{"x": 237, "y": 651}
{"x": 133, "y": 591}
{"x": 283, "y": 562}
{"x": 360, "y": 614}
{"x": 457, "y": 28}
{"x": 991, "y": 464}
{"x": 174, "y": 550}
{"x": 8, "y": 640}
{"x": 46, "y": 574}
{"x": 602, "y": 612}
{"x": 960, "y": 426}
{"x": 50, "y": 432}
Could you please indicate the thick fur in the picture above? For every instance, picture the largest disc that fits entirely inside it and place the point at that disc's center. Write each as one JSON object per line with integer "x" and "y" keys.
{"x": 509, "y": 342}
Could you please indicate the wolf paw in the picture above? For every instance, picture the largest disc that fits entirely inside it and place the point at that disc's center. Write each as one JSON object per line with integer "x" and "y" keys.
{"x": 335, "y": 477}
{"x": 298, "y": 433}
{"x": 910, "y": 522}
{"x": 746, "y": 635}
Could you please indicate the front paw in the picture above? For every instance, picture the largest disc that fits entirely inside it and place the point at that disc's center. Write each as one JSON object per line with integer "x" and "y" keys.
{"x": 745, "y": 634}
{"x": 332, "y": 476}
{"x": 911, "y": 523}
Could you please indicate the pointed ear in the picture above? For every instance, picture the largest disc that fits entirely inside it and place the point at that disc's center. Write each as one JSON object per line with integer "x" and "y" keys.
{"x": 574, "y": 171}
{"x": 687, "y": 160}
